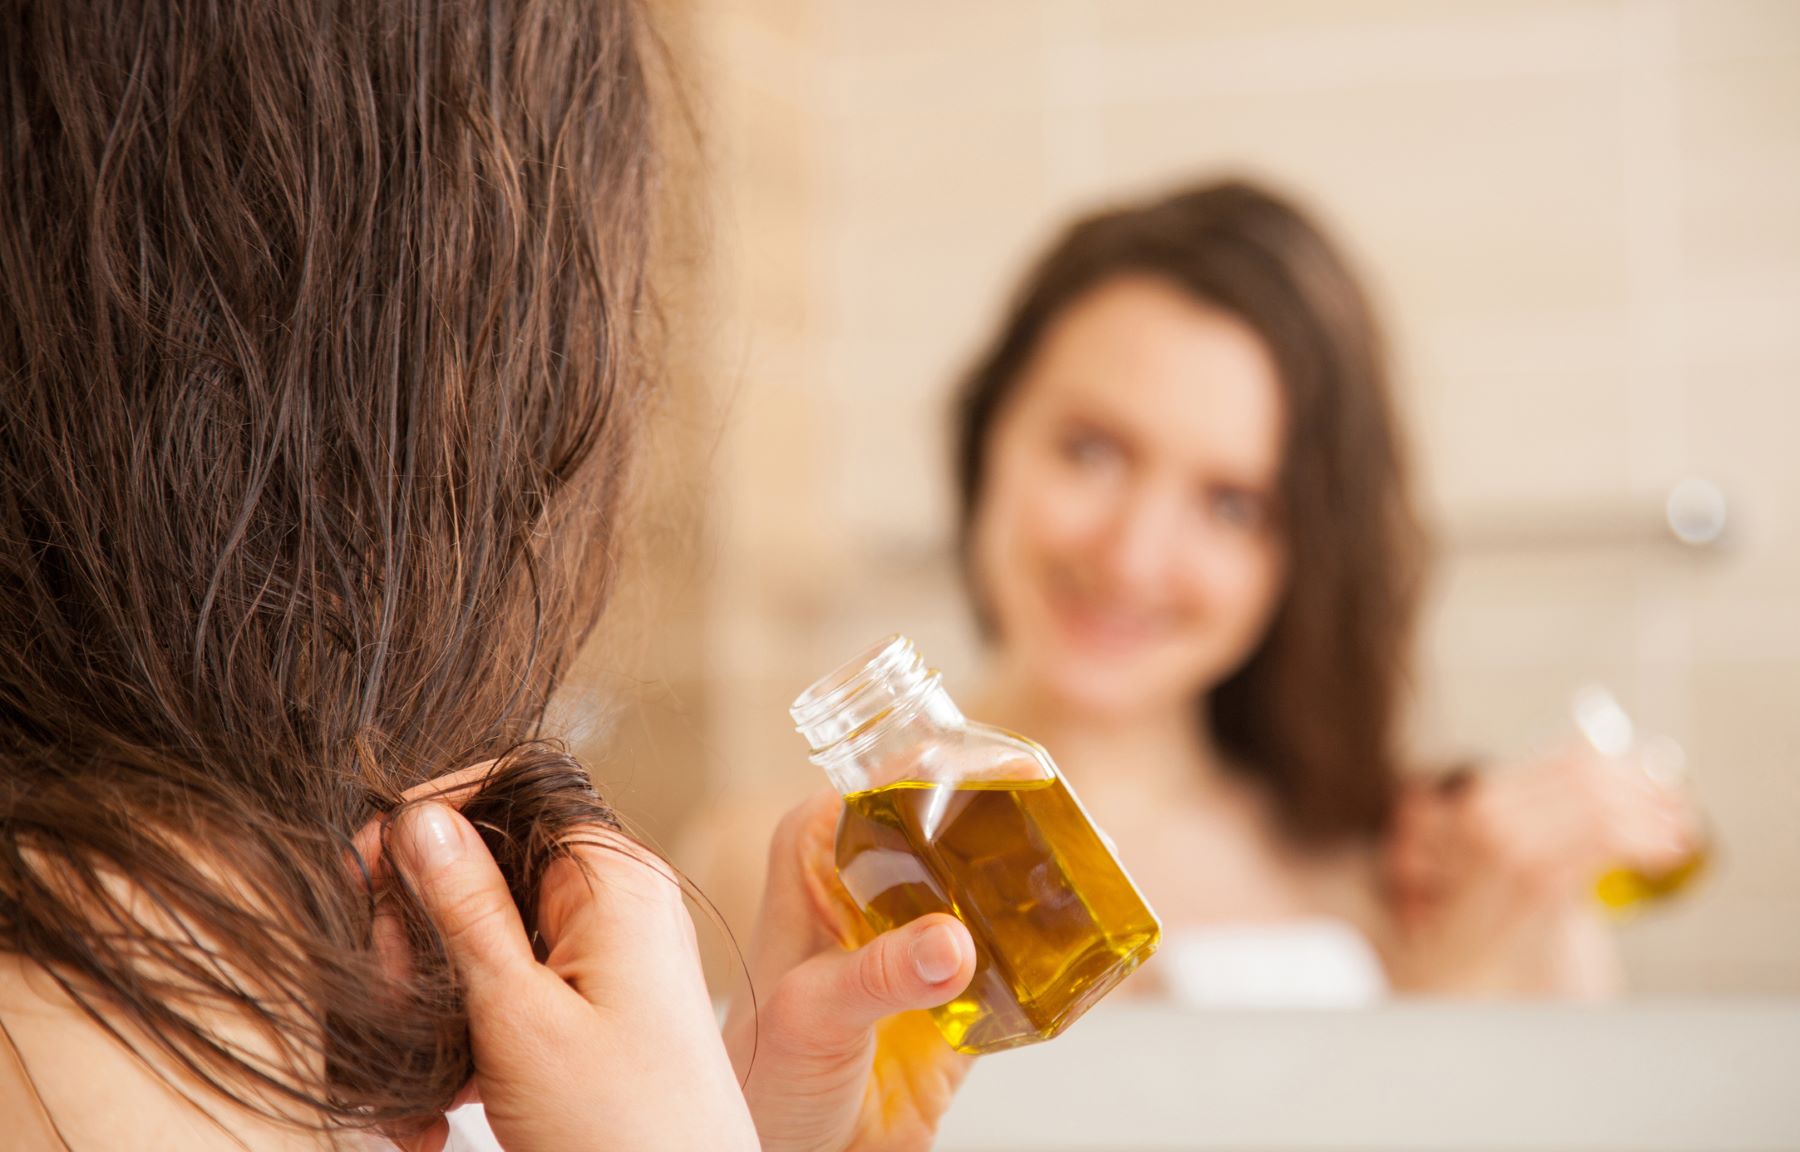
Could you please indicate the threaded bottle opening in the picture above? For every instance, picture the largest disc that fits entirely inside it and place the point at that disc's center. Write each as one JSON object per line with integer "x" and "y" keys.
{"x": 861, "y": 692}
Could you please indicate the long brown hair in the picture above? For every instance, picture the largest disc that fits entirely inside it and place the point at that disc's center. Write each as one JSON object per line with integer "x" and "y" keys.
{"x": 321, "y": 350}
{"x": 1314, "y": 711}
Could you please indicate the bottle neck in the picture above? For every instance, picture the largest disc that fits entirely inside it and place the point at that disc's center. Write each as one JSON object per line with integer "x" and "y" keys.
{"x": 869, "y": 722}
{"x": 895, "y": 746}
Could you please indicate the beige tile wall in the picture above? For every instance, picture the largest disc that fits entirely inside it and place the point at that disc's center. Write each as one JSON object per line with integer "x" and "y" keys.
{"x": 1582, "y": 218}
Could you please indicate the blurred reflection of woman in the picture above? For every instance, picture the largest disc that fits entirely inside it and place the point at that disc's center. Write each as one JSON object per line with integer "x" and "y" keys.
{"x": 1186, "y": 526}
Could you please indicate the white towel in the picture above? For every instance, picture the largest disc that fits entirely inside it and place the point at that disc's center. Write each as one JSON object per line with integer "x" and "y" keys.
{"x": 1315, "y": 963}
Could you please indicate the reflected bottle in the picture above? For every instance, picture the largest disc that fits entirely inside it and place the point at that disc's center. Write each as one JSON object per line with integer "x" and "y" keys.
{"x": 1605, "y": 726}
{"x": 942, "y": 815}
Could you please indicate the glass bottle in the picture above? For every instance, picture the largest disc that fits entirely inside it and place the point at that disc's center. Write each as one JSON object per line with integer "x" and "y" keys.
{"x": 1626, "y": 889}
{"x": 943, "y": 815}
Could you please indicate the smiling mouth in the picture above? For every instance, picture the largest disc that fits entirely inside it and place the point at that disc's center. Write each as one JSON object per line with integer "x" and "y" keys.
{"x": 1094, "y": 624}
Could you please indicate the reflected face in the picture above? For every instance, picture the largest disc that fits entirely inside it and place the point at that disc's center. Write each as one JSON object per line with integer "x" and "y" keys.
{"x": 1127, "y": 542}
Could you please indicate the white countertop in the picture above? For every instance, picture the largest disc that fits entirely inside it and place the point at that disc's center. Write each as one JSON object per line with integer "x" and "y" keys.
{"x": 1700, "y": 1076}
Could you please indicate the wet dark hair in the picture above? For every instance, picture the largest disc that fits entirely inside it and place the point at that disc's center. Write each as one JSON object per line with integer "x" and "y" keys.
{"x": 322, "y": 346}
{"x": 1314, "y": 711}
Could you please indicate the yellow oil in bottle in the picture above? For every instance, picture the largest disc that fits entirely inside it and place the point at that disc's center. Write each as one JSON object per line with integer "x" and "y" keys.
{"x": 1056, "y": 921}
{"x": 1624, "y": 890}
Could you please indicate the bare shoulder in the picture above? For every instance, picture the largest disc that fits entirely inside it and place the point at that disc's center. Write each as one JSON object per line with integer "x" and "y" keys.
{"x": 66, "y": 1082}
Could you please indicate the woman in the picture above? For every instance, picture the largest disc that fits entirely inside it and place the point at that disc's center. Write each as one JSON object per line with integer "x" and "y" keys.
{"x": 321, "y": 332}
{"x": 1186, "y": 525}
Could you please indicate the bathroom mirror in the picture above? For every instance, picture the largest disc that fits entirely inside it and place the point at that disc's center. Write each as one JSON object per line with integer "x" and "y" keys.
{"x": 1574, "y": 220}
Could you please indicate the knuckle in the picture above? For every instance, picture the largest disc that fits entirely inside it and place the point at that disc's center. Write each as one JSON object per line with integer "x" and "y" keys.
{"x": 629, "y": 891}
{"x": 802, "y": 826}
{"x": 789, "y": 826}
{"x": 620, "y": 866}
{"x": 875, "y": 976}
{"x": 465, "y": 914}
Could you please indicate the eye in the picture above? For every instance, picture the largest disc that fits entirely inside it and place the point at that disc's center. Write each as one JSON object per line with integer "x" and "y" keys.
{"x": 1239, "y": 507}
{"x": 1086, "y": 448}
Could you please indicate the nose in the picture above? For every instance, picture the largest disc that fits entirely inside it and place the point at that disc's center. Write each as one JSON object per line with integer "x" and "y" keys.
{"x": 1140, "y": 543}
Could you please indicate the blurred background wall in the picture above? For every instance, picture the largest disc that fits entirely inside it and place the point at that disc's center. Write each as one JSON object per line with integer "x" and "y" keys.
{"x": 1581, "y": 220}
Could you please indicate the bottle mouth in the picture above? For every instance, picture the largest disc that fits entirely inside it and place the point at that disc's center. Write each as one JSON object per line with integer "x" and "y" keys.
{"x": 860, "y": 692}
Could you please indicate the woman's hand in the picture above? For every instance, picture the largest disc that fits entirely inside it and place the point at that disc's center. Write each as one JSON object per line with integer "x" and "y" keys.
{"x": 611, "y": 1042}
{"x": 1493, "y": 872}
{"x": 829, "y": 1066}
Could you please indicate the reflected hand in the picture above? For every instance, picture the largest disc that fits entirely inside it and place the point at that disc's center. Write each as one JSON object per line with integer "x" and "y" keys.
{"x": 837, "y": 1055}
{"x": 1493, "y": 872}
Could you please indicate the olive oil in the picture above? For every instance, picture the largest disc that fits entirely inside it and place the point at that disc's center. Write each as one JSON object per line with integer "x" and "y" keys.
{"x": 1056, "y": 921}
{"x": 942, "y": 815}
{"x": 1607, "y": 728}
{"x": 1625, "y": 889}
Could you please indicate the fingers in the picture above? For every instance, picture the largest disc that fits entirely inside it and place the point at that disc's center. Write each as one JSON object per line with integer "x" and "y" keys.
{"x": 453, "y": 788}
{"x": 828, "y": 1004}
{"x": 1542, "y": 829}
{"x": 1531, "y": 832}
{"x": 1594, "y": 812}
{"x": 1422, "y": 837}
{"x": 1650, "y": 822}
{"x": 1421, "y": 857}
{"x": 611, "y": 908}
{"x": 466, "y": 897}
{"x": 804, "y": 907}
{"x": 649, "y": 1067}
{"x": 389, "y": 936}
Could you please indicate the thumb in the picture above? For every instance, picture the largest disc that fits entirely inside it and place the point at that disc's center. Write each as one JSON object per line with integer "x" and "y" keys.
{"x": 466, "y": 897}
{"x": 830, "y": 1002}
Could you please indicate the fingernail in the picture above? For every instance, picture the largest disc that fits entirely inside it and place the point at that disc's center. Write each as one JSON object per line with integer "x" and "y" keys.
{"x": 937, "y": 953}
{"x": 431, "y": 837}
